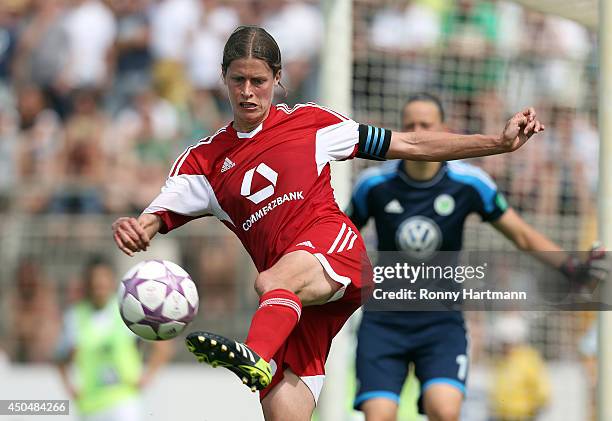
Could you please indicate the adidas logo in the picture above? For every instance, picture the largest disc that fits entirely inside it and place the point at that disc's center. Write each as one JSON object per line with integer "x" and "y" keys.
{"x": 394, "y": 207}
{"x": 227, "y": 164}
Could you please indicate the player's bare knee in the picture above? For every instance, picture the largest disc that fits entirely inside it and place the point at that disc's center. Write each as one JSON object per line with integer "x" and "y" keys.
{"x": 379, "y": 410}
{"x": 443, "y": 413}
{"x": 380, "y": 417}
{"x": 267, "y": 281}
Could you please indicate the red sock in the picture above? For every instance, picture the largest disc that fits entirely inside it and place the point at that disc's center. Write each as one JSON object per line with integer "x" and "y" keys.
{"x": 278, "y": 313}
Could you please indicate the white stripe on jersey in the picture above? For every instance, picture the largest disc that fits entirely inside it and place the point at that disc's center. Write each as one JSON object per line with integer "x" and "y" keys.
{"x": 285, "y": 108}
{"x": 181, "y": 159}
{"x": 335, "y": 113}
{"x": 350, "y": 246}
{"x": 347, "y": 237}
{"x": 174, "y": 166}
{"x": 333, "y": 246}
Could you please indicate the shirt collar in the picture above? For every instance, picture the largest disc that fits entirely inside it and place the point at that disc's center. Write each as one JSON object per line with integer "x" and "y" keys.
{"x": 420, "y": 184}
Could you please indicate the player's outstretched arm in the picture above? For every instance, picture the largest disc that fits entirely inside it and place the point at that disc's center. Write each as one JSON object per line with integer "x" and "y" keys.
{"x": 134, "y": 234}
{"x": 443, "y": 146}
{"x": 527, "y": 238}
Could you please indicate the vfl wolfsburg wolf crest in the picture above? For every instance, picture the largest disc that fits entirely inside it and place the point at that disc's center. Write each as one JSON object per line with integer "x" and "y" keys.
{"x": 419, "y": 236}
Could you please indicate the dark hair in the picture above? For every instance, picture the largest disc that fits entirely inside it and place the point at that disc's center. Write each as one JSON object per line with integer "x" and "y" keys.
{"x": 251, "y": 42}
{"x": 425, "y": 97}
{"x": 92, "y": 263}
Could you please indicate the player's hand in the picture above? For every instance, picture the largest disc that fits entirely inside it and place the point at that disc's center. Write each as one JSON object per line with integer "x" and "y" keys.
{"x": 593, "y": 270}
{"x": 520, "y": 128}
{"x": 130, "y": 236}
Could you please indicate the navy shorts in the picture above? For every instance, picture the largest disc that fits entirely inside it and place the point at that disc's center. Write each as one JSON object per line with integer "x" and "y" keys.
{"x": 387, "y": 345}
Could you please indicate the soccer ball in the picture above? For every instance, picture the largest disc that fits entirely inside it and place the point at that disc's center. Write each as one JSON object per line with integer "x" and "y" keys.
{"x": 157, "y": 299}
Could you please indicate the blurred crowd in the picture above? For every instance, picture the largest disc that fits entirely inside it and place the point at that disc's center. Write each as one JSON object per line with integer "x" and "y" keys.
{"x": 97, "y": 97}
{"x": 486, "y": 60}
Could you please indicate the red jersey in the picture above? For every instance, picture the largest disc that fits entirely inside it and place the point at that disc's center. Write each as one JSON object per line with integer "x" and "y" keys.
{"x": 267, "y": 186}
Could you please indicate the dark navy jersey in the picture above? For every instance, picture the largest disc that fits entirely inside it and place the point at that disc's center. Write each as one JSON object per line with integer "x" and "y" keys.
{"x": 422, "y": 217}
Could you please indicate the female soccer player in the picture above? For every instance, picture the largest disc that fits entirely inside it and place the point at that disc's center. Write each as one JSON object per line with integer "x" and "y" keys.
{"x": 429, "y": 201}
{"x": 266, "y": 177}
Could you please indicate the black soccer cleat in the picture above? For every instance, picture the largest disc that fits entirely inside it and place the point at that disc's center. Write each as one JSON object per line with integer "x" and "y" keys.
{"x": 237, "y": 357}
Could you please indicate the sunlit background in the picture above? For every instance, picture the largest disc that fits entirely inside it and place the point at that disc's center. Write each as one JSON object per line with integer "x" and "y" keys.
{"x": 97, "y": 98}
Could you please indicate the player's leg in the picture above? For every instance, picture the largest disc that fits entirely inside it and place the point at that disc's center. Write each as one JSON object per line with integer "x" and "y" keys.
{"x": 380, "y": 409}
{"x": 296, "y": 276}
{"x": 304, "y": 355}
{"x": 442, "y": 369}
{"x": 442, "y": 402}
{"x": 301, "y": 273}
{"x": 312, "y": 272}
{"x": 382, "y": 367}
{"x": 290, "y": 399}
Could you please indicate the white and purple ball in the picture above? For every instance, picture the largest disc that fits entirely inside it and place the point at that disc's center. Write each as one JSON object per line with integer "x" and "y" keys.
{"x": 157, "y": 299}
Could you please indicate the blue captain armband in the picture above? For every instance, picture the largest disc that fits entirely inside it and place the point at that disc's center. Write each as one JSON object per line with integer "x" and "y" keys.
{"x": 373, "y": 142}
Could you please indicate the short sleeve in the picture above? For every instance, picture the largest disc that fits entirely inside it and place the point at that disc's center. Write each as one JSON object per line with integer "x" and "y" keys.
{"x": 187, "y": 195}
{"x": 184, "y": 197}
{"x": 337, "y": 136}
{"x": 490, "y": 204}
{"x": 359, "y": 209}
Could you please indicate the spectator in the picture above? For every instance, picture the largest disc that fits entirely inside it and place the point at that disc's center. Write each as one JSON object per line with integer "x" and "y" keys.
{"x": 132, "y": 55}
{"x": 201, "y": 117}
{"x": 39, "y": 143}
{"x": 108, "y": 366}
{"x": 588, "y": 353}
{"x": 8, "y": 153}
{"x": 413, "y": 27}
{"x": 409, "y": 31}
{"x": 80, "y": 162}
{"x": 8, "y": 40}
{"x": 560, "y": 76}
{"x": 469, "y": 67}
{"x": 42, "y": 53}
{"x": 562, "y": 170}
{"x": 147, "y": 134}
{"x": 173, "y": 25}
{"x": 520, "y": 386}
{"x": 207, "y": 44}
{"x": 298, "y": 27}
{"x": 87, "y": 64}
{"x": 33, "y": 316}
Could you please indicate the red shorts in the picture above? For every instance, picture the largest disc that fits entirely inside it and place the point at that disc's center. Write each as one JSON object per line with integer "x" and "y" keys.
{"x": 340, "y": 249}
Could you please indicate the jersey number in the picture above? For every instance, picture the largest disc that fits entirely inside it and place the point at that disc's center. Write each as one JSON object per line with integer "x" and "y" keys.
{"x": 462, "y": 360}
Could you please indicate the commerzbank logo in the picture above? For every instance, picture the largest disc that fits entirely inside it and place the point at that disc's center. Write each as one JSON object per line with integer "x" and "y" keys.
{"x": 262, "y": 194}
